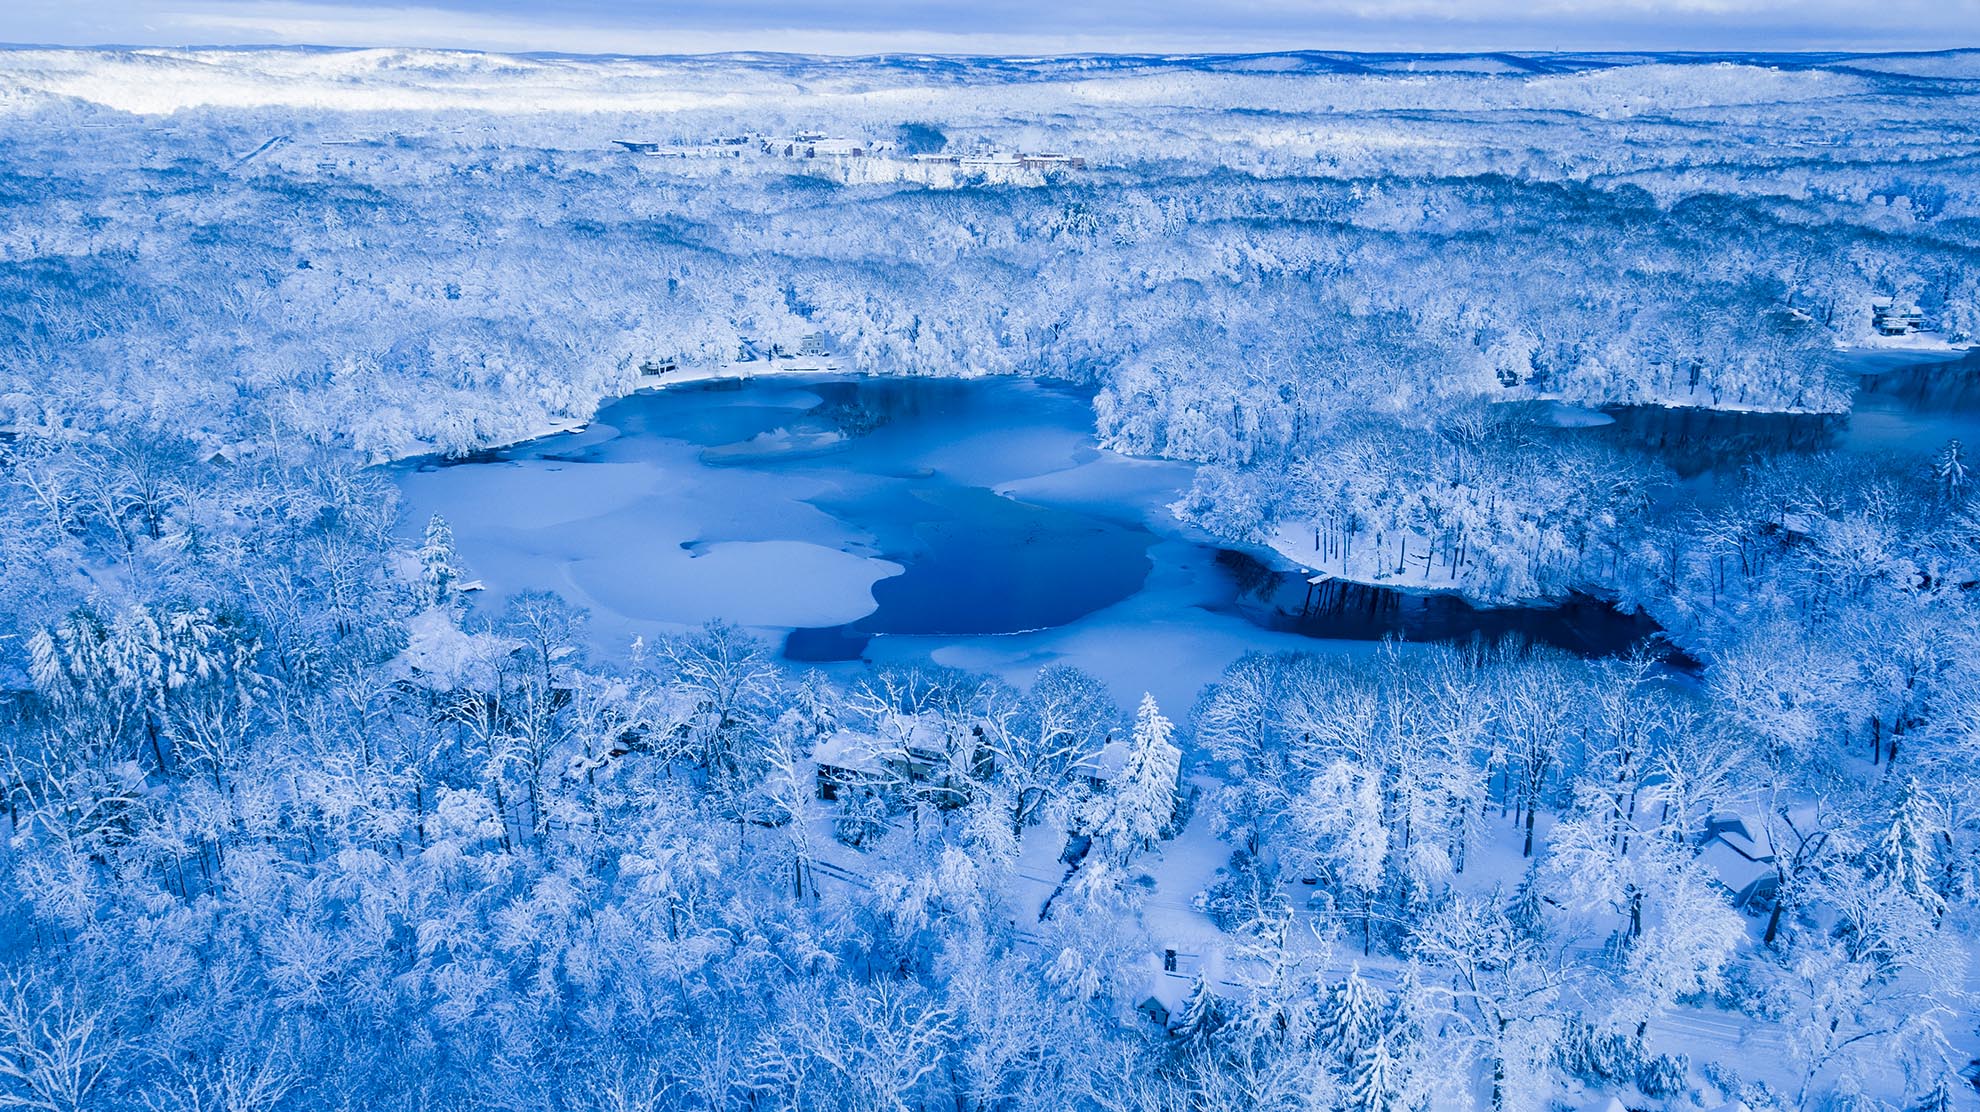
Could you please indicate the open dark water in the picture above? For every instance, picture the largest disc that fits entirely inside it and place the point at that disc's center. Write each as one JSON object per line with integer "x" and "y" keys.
{"x": 1902, "y": 409}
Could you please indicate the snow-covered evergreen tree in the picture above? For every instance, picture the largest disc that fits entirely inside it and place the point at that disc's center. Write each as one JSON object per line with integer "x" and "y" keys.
{"x": 1938, "y": 1098}
{"x": 1950, "y": 469}
{"x": 1372, "y": 1082}
{"x": 1905, "y": 856}
{"x": 439, "y": 563}
{"x": 1352, "y": 1017}
{"x": 1137, "y": 809}
{"x": 1201, "y": 1016}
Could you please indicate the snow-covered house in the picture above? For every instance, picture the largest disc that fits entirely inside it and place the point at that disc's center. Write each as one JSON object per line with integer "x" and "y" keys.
{"x": 918, "y": 759}
{"x": 1895, "y": 316}
{"x": 1161, "y": 998}
{"x": 441, "y": 657}
{"x": 221, "y": 453}
{"x": 814, "y": 353}
{"x": 1173, "y": 971}
{"x": 850, "y": 758}
{"x": 1737, "y": 851}
{"x": 658, "y": 366}
{"x": 720, "y": 147}
{"x": 847, "y": 759}
{"x": 1100, "y": 767}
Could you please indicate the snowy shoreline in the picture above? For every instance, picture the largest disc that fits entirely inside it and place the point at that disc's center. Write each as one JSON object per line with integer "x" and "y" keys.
{"x": 1565, "y": 412}
{"x": 565, "y": 426}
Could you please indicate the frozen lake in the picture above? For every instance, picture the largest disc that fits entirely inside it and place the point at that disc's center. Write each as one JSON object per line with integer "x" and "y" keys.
{"x": 882, "y": 504}
{"x": 974, "y": 521}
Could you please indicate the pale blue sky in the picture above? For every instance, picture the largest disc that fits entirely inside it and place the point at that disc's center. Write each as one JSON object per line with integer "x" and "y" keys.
{"x": 1008, "y": 26}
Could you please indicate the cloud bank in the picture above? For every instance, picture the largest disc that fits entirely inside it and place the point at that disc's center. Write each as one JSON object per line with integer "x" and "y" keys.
{"x": 1014, "y": 27}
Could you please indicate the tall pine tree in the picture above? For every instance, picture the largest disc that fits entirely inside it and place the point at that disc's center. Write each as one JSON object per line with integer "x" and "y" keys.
{"x": 1373, "y": 1082}
{"x": 1202, "y": 1014}
{"x": 1905, "y": 856}
{"x": 1351, "y": 1016}
{"x": 1138, "y": 808}
{"x": 439, "y": 566}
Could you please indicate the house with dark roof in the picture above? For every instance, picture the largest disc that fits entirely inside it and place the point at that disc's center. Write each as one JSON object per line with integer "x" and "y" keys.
{"x": 1737, "y": 850}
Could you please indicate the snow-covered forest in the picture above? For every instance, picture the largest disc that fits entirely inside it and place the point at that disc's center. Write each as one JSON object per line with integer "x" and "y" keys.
{"x": 298, "y": 817}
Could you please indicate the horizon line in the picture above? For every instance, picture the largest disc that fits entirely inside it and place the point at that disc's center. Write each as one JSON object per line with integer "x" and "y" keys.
{"x": 1317, "y": 51}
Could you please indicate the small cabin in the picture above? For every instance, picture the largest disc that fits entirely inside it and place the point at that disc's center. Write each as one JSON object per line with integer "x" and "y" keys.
{"x": 1737, "y": 850}
{"x": 1163, "y": 995}
{"x": 1161, "y": 999}
{"x": 1894, "y": 316}
{"x": 657, "y": 368}
{"x": 849, "y": 758}
{"x": 814, "y": 353}
{"x": 846, "y": 760}
{"x": 1102, "y": 766}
